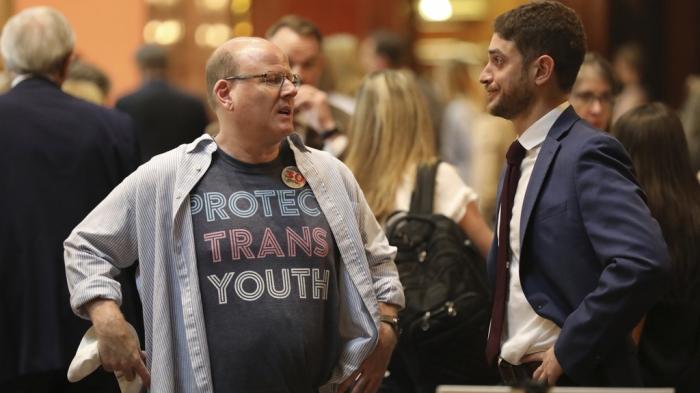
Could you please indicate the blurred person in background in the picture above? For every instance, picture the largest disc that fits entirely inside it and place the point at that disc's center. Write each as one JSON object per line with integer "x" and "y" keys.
{"x": 88, "y": 82}
{"x": 390, "y": 137}
{"x": 343, "y": 73}
{"x": 471, "y": 139}
{"x": 164, "y": 116}
{"x": 383, "y": 50}
{"x": 629, "y": 64}
{"x": 669, "y": 348}
{"x": 594, "y": 91}
{"x": 690, "y": 116}
{"x": 491, "y": 137}
{"x": 61, "y": 156}
{"x": 388, "y": 50}
{"x": 321, "y": 124}
{"x": 386, "y": 147}
{"x": 461, "y": 110}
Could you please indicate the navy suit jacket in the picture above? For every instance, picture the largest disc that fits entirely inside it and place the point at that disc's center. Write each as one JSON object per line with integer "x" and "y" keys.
{"x": 592, "y": 259}
{"x": 60, "y": 157}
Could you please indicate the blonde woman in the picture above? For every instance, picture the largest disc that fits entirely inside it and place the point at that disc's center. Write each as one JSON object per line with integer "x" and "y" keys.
{"x": 390, "y": 135}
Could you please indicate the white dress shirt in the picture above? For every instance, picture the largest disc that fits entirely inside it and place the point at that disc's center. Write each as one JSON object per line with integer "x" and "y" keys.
{"x": 526, "y": 332}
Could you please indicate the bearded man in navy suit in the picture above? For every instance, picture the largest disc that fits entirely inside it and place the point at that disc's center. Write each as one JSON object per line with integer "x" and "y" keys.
{"x": 578, "y": 259}
{"x": 60, "y": 157}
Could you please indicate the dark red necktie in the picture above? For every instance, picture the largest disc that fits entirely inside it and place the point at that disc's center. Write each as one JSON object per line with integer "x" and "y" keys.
{"x": 515, "y": 156}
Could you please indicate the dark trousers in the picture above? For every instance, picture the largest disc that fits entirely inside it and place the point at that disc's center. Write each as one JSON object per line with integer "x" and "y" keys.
{"x": 516, "y": 374}
{"x": 57, "y": 382}
{"x": 521, "y": 374}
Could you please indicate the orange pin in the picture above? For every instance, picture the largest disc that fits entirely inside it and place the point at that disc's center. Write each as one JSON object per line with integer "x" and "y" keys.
{"x": 292, "y": 177}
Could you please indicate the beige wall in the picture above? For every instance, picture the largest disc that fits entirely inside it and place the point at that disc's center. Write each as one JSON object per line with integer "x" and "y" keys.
{"x": 107, "y": 34}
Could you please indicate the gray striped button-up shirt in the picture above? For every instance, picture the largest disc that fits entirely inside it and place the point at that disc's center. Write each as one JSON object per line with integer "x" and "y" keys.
{"x": 147, "y": 217}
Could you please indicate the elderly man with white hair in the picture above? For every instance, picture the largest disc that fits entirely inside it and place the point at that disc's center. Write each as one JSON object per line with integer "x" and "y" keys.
{"x": 60, "y": 157}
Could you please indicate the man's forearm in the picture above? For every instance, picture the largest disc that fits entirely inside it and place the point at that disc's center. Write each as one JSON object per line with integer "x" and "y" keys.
{"x": 103, "y": 312}
{"x": 388, "y": 309}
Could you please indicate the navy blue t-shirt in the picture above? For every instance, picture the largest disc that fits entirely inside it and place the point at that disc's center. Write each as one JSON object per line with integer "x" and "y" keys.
{"x": 267, "y": 265}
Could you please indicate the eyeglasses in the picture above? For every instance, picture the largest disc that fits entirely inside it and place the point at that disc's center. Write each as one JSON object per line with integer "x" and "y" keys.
{"x": 270, "y": 78}
{"x": 588, "y": 97}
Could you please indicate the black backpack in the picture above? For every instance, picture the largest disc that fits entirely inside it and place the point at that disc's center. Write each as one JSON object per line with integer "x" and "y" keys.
{"x": 446, "y": 319}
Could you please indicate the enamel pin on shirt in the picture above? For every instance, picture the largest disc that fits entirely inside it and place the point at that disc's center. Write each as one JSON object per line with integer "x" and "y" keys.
{"x": 292, "y": 177}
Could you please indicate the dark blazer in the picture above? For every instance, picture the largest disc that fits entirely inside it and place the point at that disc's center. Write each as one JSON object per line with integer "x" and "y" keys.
{"x": 592, "y": 260}
{"x": 60, "y": 156}
{"x": 164, "y": 117}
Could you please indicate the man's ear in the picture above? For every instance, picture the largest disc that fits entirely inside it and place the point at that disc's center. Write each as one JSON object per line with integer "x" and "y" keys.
{"x": 221, "y": 94}
{"x": 543, "y": 69}
{"x": 63, "y": 72}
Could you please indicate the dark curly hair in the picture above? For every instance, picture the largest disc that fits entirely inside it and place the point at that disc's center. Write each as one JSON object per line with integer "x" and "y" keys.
{"x": 546, "y": 28}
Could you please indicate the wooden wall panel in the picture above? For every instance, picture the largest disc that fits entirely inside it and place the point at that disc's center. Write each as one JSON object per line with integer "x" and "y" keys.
{"x": 336, "y": 16}
{"x": 187, "y": 59}
{"x": 595, "y": 16}
{"x": 5, "y": 12}
{"x": 479, "y": 31}
{"x": 682, "y": 48}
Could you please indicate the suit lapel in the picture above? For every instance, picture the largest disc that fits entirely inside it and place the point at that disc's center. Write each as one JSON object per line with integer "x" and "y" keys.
{"x": 544, "y": 161}
{"x": 545, "y": 158}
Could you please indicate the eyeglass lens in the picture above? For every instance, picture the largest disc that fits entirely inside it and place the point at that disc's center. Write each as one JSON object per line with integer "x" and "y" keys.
{"x": 589, "y": 98}
{"x": 277, "y": 78}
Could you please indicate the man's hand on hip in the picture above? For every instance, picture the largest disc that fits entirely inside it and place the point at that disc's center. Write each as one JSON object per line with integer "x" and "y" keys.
{"x": 118, "y": 346}
{"x": 371, "y": 373}
{"x": 550, "y": 370}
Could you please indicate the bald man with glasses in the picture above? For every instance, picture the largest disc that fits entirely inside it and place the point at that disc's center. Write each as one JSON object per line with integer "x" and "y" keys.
{"x": 261, "y": 266}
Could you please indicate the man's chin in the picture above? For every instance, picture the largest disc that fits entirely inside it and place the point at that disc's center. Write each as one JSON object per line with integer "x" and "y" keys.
{"x": 494, "y": 109}
{"x": 286, "y": 131}
{"x": 497, "y": 109}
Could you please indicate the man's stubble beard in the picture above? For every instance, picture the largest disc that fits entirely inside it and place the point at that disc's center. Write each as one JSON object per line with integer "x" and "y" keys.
{"x": 513, "y": 104}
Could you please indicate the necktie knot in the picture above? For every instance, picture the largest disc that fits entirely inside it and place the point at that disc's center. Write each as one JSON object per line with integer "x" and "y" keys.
{"x": 516, "y": 153}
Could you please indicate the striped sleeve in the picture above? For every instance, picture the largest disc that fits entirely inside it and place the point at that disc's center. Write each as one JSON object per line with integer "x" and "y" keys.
{"x": 101, "y": 244}
{"x": 380, "y": 255}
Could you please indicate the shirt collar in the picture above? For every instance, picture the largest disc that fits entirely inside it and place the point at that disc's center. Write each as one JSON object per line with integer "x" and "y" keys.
{"x": 205, "y": 140}
{"x": 537, "y": 132}
{"x": 20, "y": 78}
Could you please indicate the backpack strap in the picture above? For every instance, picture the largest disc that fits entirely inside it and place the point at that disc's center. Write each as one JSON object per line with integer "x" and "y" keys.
{"x": 424, "y": 189}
